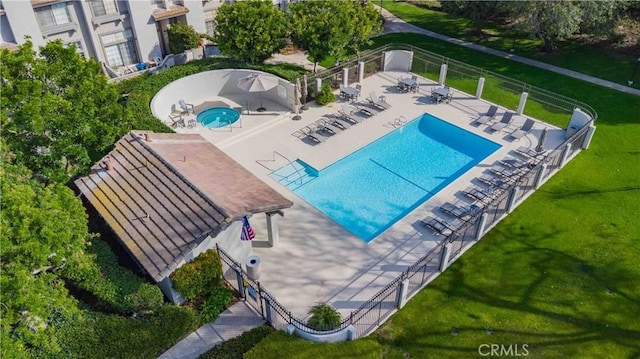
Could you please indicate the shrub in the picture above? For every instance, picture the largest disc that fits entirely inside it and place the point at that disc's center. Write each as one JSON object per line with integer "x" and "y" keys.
{"x": 236, "y": 348}
{"x": 323, "y": 317}
{"x": 116, "y": 288}
{"x": 182, "y": 37}
{"x": 198, "y": 277}
{"x": 325, "y": 95}
{"x": 100, "y": 335}
{"x": 217, "y": 301}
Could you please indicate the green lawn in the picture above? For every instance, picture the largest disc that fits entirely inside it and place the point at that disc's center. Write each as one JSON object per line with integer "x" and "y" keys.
{"x": 570, "y": 54}
{"x": 560, "y": 274}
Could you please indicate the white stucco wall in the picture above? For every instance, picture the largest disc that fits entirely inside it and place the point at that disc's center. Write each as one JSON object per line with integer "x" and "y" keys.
{"x": 398, "y": 60}
{"x": 195, "y": 16}
{"x": 144, "y": 28}
{"x": 206, "y": 85}
{"x": 22, "y": 19}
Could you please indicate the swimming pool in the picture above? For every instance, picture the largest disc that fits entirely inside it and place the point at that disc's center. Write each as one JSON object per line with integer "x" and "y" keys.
{"x": 369, "y": 190}
{"x": 218, "y": 117}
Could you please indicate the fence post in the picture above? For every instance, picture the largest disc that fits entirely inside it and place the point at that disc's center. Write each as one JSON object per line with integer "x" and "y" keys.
{"x": 443, "y": 74}
{"x": 540, "y": 176}
{"x": 523, "y": 101}
{"x": 565, "y": 155}
{"x": 345, "y": 76}
{"x": 480, "y": 88}
{"x": 360, "y": 71}
{"x": 444, "y": 256}
{"x": 512, "y": 199}
{"x": 481, "y": 223}
{"x": 588, "y": 137}
{"x": 403, "y": 289}
{"x": 318, "y": 86}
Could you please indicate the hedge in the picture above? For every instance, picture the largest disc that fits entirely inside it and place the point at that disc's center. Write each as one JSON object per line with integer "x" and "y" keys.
{"x": 199, "y": 277}
{"x": 236, "y": 348}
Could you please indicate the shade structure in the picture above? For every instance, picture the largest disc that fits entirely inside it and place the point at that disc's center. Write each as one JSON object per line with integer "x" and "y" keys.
{"x": 258, "y": 83}
{"x": 543, "y": 137}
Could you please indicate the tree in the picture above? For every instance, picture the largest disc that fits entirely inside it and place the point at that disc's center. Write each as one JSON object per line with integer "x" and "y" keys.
{"x": 43, "y": 229}
{"x": 250, "y": 30}
{"x": 367, "y": 22}
{"x": 477, "y": 11}
{"x": 57, "y": 109}
{"x": 555, "y": 20}
{"x": 331, "y": 28}
{"x": 182, "y": 37}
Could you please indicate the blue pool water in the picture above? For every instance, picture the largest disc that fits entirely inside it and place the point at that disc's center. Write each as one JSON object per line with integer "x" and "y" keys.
{"x": 218, "y": 117}
{"x": 375, "y": 186}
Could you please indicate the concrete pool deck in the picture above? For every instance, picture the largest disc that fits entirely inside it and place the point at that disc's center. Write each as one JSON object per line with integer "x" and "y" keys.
{"x": 318, "y": 260}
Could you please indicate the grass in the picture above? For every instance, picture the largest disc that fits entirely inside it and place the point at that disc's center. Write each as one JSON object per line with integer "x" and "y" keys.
{"x": 570, "y": 54}
{"x": 560, "y": 274}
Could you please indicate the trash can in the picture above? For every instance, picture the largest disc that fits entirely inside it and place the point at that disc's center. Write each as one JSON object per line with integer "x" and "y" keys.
{"x": 253, "y": 267}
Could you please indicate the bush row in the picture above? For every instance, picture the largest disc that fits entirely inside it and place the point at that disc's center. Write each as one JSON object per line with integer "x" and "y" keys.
{"x": 236, "y": 348}
{"x": 116, "y": 288}
{"x": 98, "y": 335}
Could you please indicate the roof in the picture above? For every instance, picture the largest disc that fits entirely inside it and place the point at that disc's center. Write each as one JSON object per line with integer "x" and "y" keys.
{"x": 172, "y": 11}
{"x": 163, "y": 198}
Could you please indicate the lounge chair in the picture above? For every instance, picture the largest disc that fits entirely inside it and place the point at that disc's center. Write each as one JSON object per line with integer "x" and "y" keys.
{"x": 522, "y": 131}
{"x": 186, "y": 107}
{"x": 366, "y": 110}
{"x": 507, "y": 173}
{"x": 337, "y": 121}
{"x": 323, "y": 121}
{"x": 438, "y": 225}
{"x": 493, "y": 181}
{"x": 323, "y": 130}
{"x": 308, "y": 136}
{"x": 379, "y": 102}
{"x": 504, "y": 122}
{"x": 462, "y": 212}
{"x": 349, "y": 110}
{"x": 515, "y": 163}
{"x": 478, "y": 194}
{"x": 347, "y": 116}
{"x": 528, "y": 152}
{"x": 488, "y": 116}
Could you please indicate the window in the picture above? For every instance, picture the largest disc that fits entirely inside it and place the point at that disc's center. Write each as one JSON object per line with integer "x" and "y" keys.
{"x": 158, "y": 4}
{"x": 210, "y": 21}
{"x": 53, "y": 15}
{"x": 119, "y": 48}
{"x": 103, "y": 7}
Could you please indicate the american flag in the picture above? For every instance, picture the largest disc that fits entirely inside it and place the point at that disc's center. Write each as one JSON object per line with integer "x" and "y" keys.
{"x": 247, "y": 232}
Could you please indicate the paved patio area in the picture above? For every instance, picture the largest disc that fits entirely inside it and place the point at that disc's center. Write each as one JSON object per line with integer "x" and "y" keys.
{"x": 317, "y": 259}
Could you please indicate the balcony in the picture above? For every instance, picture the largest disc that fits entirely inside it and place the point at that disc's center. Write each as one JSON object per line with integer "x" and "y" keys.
{"x": 58, "y": 29}
{"x": 103, "y": 19}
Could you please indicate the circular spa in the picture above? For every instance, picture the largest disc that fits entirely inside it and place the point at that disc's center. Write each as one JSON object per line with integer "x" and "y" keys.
{"x": 217, "y": 117}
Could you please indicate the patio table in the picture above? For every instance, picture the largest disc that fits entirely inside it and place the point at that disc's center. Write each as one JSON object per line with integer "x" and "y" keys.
{"x": 349, "y": 92}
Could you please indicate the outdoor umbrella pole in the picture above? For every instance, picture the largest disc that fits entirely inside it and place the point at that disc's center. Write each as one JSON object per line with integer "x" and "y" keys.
{"x": 261, "y": 108}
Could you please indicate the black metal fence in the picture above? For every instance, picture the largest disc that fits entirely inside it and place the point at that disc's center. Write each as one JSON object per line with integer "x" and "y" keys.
{"x": 379, "y": 307}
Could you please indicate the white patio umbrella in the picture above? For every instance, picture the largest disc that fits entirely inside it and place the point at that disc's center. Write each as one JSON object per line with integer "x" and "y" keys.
{"x": 543, "y": 137}
{"x": 296, "y": 99}
{"x": 258, "y": 83}
{"x": 304, "y": 92}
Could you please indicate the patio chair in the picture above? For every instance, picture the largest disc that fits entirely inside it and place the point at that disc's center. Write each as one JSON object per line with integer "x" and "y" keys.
{"x": 463, "y": 212}
{"x": 504, "y": 122}
{"x": 436, "y": 225}
{"x": 506, "y": 173}
{"x": 488, "y": 116}
{"x": 323, "y": 130}
{"x": 522, "y": 131}
{"x": 379, "y": 102}
{"x": 186, "y": 107}
{"x": 354, "y": 108}
{"x": 347, "y": 116}
{"x": 309, "y": 136}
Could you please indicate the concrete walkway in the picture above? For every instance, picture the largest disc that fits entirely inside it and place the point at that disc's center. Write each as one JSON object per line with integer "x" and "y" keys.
{"x": 394, "y": 24}
{"x": 234, "y": 321}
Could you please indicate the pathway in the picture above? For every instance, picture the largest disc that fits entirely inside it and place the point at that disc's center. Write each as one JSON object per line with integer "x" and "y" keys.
{"x": 234, "y": 321}
{"x": 395, "y": 24}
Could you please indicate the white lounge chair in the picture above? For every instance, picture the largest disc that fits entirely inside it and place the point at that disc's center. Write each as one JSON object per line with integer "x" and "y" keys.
{"x": 186, "y": 107}
{"x": 379, "y": 102}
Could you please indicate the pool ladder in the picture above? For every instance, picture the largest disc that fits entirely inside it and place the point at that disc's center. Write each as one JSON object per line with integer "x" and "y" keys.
{"x": 273, "y": 159}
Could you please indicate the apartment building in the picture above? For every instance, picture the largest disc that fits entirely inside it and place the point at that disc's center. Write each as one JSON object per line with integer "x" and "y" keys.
{"x": 114, "y": 32}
